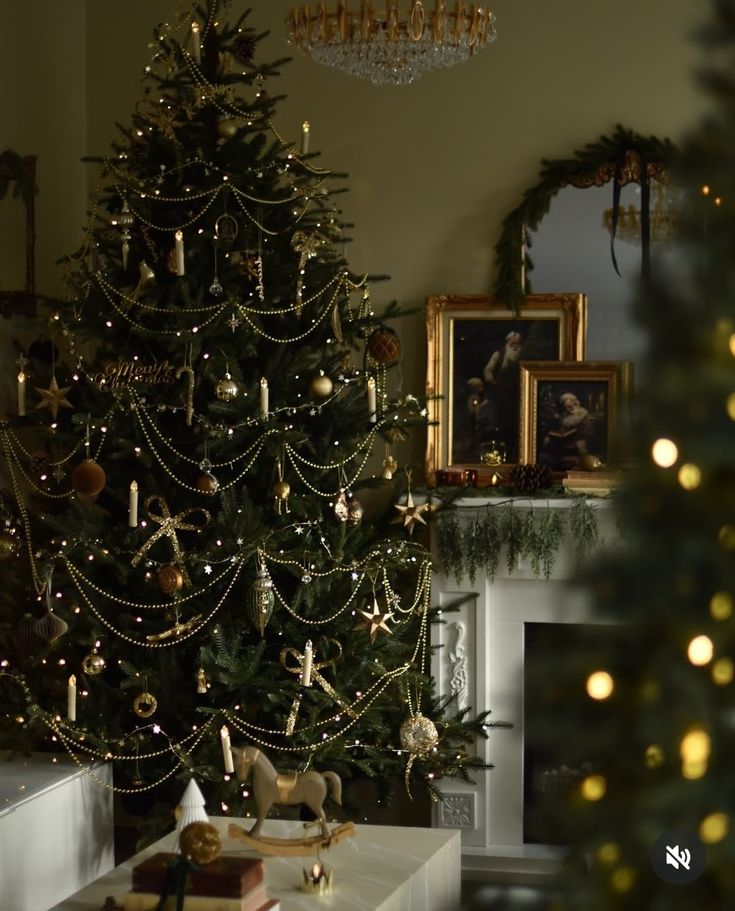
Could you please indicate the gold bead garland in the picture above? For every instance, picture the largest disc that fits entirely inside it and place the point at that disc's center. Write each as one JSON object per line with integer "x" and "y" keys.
{"x": 108, "y": 290}
{"x": 70, "y": 744}
{"x": 80, "y": 579}
{"x": 167, "y": 644}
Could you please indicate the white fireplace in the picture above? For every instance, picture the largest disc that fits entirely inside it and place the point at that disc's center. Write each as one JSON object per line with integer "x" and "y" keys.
{"x": 482, "y": 665}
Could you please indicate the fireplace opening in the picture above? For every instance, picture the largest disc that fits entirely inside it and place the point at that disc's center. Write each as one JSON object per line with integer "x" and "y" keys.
{"x": 553, "y": 766}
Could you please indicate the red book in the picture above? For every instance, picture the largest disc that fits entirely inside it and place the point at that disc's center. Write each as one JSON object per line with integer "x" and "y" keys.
{"x": 227, "y": 876}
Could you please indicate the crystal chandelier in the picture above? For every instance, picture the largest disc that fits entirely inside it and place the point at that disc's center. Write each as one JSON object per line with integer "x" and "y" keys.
{"x": 385, "y": 48}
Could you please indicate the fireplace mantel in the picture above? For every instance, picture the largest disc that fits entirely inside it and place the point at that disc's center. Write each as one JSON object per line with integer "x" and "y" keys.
{"x": 481, "y": 664}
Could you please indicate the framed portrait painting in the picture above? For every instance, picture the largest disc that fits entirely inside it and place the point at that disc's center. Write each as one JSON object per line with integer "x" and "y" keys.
{"x": 473, "y": 385}
{"x": 572, "y": 414}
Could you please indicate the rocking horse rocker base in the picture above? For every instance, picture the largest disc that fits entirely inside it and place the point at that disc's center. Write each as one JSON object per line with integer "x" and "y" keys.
{"x": 291, "y": 847}
{"x": 270, "y": 787}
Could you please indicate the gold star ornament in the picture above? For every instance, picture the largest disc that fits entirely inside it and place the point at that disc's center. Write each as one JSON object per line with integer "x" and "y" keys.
{"x": 409, "y": 514}
{"x": 53, "y": 398}
{"x": 375, "y": 620}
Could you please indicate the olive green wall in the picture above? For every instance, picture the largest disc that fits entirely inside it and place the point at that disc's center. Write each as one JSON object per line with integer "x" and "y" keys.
{"x": 433, "y": 167}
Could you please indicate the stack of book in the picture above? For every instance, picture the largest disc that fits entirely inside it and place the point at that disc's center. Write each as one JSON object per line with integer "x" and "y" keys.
{"x": 229, "y": 883}
{"x": 599, "y": 483}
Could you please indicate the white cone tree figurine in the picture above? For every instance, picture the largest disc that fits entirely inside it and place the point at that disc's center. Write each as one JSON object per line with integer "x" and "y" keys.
{"x": 191, "y": 808}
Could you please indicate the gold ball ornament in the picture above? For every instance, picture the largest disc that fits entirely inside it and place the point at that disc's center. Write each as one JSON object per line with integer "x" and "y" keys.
{"x": 227, "y": 128}
{"x": 418, "y": 734}
{"x": 321, "y": 385}
{"x": 384, "y": 347}
{"x": 88, "y": 478}
{"x": 207, "y": 483}
{"x": 227, "y": 389}
{"x": 8, "y": 545}
{"x": 144, "y": 705}
{"x": 200, "y": 842}
{"x": 170, "y": 579}
{"x": 93, "y": 664}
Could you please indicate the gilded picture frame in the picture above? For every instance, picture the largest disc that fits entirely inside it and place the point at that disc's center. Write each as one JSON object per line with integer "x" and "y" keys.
{"x": 572, "y": 414}
{"x": 474, "y": 404}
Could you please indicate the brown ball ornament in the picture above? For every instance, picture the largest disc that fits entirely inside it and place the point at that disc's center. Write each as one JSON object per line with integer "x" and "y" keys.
{"x": 200, "y": 842}
{"x": 207, "y": 483}
{"x": 88, "y": 478}
{"x": 321, "y": 386}
{"x": 384, "y": 347}
{"x": 170, "y": 579}
{"x": 227, "y": 128}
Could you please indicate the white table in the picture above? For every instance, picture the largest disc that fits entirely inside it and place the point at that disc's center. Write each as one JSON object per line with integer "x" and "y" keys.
{"x": 383, "y": 868}
{"x": 56, "y": 829}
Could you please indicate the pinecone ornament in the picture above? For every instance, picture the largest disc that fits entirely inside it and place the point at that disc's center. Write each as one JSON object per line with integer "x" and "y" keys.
{"x": 243, "y": 47}
{"x": 530, "y": 478}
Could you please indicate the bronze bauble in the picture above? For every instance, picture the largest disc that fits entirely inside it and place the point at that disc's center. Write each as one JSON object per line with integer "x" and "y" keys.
{"x": 384, "y": 346}
{"x": 207, "y": 483}
{"x": 88, "y": 478}
{"x": 321, "y": 386}
{"x": 200, "y": 842}
{"x": 170, "y": 579}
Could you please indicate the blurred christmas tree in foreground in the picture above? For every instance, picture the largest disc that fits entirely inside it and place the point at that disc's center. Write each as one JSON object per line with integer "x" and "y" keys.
{"x": 190, "y": 477}
{"x": 646, "y": 711}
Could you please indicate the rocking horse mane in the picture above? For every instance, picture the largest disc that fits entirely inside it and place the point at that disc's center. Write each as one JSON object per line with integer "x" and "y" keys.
{"x": 247, "y": 757}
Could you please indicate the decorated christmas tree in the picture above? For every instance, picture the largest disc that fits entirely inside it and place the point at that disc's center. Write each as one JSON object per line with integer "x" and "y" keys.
{"x": 642, "y": 712}
{"x": 215, "y": 543}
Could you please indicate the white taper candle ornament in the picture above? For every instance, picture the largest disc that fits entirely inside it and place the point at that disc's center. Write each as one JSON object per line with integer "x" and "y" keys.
{"x": 133, "y": 505}
{"x": 21, "y": 394}
{"x": 179, "y": 252}
{"x": 196, "y": 42}
{"x": 264, "y": 398}
{"x": 305, "y": 128}
{"x": 71, "y": 699}
{"x": 306, "y": 666}
{"x": 227, "y": 750}
{"x": 372, "y": 395}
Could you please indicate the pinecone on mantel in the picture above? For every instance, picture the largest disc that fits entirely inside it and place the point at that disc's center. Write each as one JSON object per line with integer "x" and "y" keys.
{"x": 530, "y": 478}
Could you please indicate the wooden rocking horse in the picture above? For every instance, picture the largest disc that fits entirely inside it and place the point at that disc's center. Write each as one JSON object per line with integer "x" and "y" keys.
{"x": 272, "y": 787}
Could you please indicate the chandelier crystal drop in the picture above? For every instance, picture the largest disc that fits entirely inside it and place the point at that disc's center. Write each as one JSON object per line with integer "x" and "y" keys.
{"x": 385, "y": 48}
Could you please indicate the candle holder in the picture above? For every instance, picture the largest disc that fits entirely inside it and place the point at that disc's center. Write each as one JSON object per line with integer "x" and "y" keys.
{"x": 318, "y": 880}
